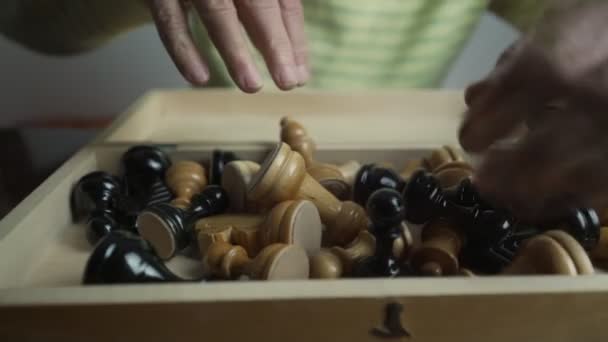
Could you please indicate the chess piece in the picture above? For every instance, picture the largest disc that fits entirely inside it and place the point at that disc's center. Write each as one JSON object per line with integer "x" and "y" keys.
{"x": 185, "y": 179}
{"x": 584, "y": 225}
{"x": 275, "y": 262}
{"x": 411, "y": 166}
{"x": 283, "y": 177}
{"x": 335, "y": 262}
{"x": 349, "y": 171}
{"x": 290, "y": 222}
{"x": 423, "y": 197}
{"x": 603, "y": 214}
{"x": 331, "y": 177}
{"x": 121, "y": 257}
{"x": 93, "y": 198}
{"x": 403, "y": 246}
{"x": 466, "y": 195}
{"x": 554, "y": 252}
{"x": 219, "y": 159}
{"x": 442, "y": 156}
{"x": 492, "y": 255}
{"x": 465, "y": 272}
{"x": 371, "y": 178}
{"x": 440, "y": 250}
{"x": 296, "y": 136}
{"x": 235, "y": 180}
{"x": 170, "y": 229}
{"x": 451, "y": 174}
{"x": 144, "y": 170}
{"x": 386, "y": 211}
{"x": 600, "y": 251}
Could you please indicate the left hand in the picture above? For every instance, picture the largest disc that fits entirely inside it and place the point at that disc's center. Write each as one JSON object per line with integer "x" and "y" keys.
{"x": 556, "y": 80}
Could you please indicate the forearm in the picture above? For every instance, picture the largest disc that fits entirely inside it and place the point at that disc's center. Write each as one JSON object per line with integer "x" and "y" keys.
{"x": 69, "y": 26}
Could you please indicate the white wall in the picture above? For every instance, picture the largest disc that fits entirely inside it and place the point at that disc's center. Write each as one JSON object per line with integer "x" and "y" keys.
{"x": 105, "y": 81}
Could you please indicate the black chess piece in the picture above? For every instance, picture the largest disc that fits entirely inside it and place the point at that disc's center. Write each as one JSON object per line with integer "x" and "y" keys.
{"x": 122, "y": 257}
{"x": 219, "y": 159}
{"x": 492, "y": 257}
{"x": 94, "y": 198}
{"x": 423, "y": 197}
{"x": 370, "y": 178}
{"x": 386, "y": 212}
{"x": 466, "y": 195}
{"x": 144, "y": 170}
{"x": 170, "y": 229}
{"x": 487, "y": 231}
{"x": 583, "y": 224}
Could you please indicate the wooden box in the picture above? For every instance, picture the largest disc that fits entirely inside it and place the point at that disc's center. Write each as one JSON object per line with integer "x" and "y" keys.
{"x": 42, "y": 253}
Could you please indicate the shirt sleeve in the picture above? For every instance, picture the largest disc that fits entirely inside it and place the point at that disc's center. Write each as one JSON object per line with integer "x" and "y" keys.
{"x": 62, "y": 27}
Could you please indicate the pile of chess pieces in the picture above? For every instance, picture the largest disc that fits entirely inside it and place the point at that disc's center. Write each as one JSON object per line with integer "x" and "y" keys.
{"x": 293, "y": 217}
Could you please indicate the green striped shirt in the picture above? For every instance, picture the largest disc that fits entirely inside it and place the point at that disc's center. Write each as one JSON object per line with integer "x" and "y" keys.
{"x": 353, "y": 43}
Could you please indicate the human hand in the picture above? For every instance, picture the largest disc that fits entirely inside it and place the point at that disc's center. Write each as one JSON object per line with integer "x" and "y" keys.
{"x": 276, "y": 28}
{"x": 555, "y": 80}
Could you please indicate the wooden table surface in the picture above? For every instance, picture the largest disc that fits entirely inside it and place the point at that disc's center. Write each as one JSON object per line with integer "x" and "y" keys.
{"x": 30, "y": 155}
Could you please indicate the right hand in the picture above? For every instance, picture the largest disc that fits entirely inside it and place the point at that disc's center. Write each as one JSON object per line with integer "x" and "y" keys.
{"x": 276, "y": 28}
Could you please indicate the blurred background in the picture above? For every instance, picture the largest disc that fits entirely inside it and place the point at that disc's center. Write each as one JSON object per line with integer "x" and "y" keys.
{"x": 50, "y": 107}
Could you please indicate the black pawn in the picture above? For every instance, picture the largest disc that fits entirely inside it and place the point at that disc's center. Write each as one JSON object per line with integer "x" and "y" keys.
{"x": 144, "y": 170}
{"x": 386, "y": 212}
{"x": 370, "y": 178}
{"x": 122, "y": 257}
{"x": 93, "y": 198}
{"x": 171, "y": 229}
{"x": 219, "y": 159}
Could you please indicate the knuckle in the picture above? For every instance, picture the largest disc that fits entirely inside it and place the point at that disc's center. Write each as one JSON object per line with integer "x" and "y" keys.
{"x": 258, "y": 5}
{"x": 300, "y": 54}
{"x": 217, "y": 6}
{"x": 292, "y": 8}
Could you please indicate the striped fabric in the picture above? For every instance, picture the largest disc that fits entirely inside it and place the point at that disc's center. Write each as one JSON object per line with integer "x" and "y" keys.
{"x": 372, "y": 44}
{"x": 353, "y": 43}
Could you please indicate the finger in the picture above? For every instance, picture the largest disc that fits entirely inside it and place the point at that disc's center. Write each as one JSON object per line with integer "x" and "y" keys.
{"x": 222, "y": 23}
{"x": 493, "y": 117}
{"x": 518, "y": 90}
{"x": 263, "y": 22}
{"x": 293, "y": 18}
{"x": 555, "y": 167}
{"x": 173, "y": 30}
{"x": 474, "y": 91}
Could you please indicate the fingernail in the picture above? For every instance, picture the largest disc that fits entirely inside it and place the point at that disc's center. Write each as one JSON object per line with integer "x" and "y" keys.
{"x": 252, "y": 81}
{"x": 303, "y": 75}
{"x": 287, "y": 77}
{"x": 198, "y": 77}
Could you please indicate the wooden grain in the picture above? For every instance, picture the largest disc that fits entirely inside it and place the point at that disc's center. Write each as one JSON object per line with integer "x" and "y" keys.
{"x": 441, "y": 245}
{"x": 336, "y": 262}
{"x": 450, "y": 174}
{"x": 544, "y": 254}
{"x": 290, "y": 222}
{"x": 283, "y": 177}
{"x": 274, "y": 262}
{"x": 442, "y": 156}
{"x": 328, "y": 175}
{"x": 38, "y": 236}
{"x": 235, "y": 179}
{"x": 185, "y": 179}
